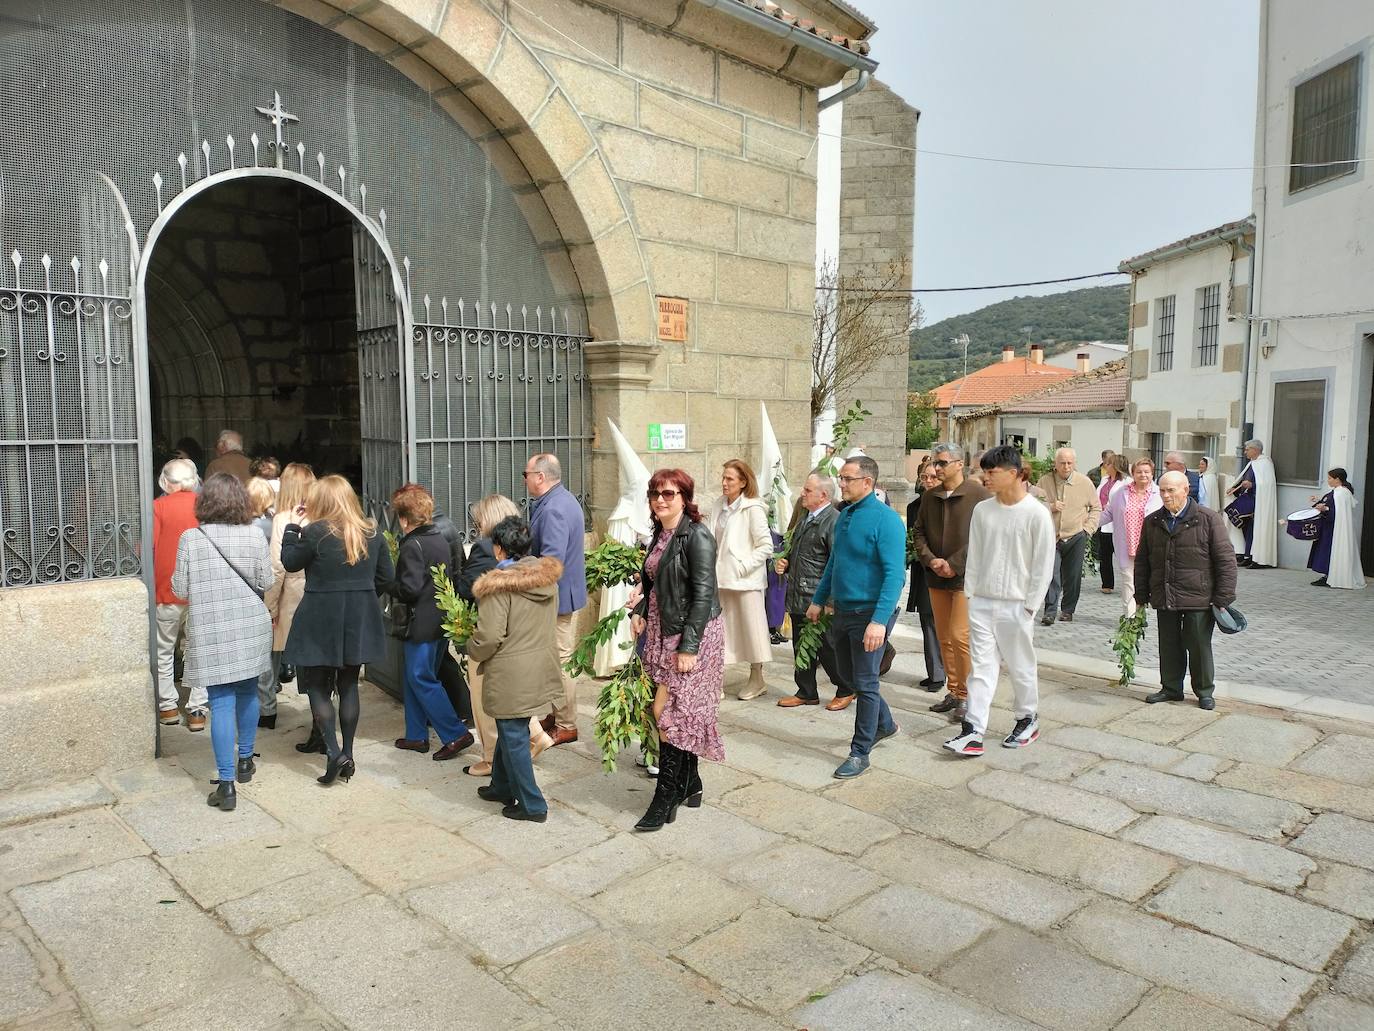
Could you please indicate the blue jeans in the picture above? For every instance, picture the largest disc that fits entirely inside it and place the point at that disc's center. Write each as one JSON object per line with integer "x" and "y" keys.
{"x": 871, "y": 713}
{"x": 426, "y": 701}
{"x": 512, "y": 769}
{"x": 233, "y": 712}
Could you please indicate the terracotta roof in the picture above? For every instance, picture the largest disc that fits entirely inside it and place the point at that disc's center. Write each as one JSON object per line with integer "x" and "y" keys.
{"x": 858, "y": 46}
{"x": 1221, "y": 233}
{"x": 1101, "y": 390}
{"x": 998, "y": 382}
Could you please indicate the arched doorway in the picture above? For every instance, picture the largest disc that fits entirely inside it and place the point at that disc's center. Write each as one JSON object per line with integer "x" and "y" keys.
{"x": 274, "y": 308}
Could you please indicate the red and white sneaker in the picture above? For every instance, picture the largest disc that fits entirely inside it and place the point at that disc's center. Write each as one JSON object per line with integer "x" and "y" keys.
{"x": 1027, "y": 729}
{"x": 968, "y": 743}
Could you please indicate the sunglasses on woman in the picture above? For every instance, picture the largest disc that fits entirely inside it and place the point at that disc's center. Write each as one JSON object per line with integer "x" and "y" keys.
{"x": 666, "y": 495}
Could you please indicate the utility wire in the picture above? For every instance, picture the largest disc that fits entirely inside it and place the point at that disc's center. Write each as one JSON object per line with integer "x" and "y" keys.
{"x": 963, "y": 289}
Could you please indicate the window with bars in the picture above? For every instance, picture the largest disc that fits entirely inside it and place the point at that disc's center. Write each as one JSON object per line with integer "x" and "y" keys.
{"x": 1207, "y": 325}
{"x": 1164, "y": 334}
{"x": 1156, "y": 446}
{"x": 1326, "y": 126}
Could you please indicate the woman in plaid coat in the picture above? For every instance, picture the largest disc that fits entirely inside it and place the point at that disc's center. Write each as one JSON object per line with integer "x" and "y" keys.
{"x": 222, "y": 569}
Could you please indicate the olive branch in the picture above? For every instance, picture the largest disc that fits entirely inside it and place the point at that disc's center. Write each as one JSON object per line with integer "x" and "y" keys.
{"x": 1126, "y": 644}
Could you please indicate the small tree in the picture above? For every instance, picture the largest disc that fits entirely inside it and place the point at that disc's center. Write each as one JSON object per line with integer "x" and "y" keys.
{"x": 920, "y": 422}
{"x": 860, "y": 319}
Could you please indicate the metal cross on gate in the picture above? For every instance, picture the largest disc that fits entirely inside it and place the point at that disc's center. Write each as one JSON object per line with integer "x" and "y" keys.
{"x": 279, "y": 116}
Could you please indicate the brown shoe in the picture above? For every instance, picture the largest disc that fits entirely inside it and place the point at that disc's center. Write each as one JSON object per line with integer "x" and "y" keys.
{"x": 195, "y": 722}
{"x": 169, "y": 717}
{"x": 794, "y": 700}
{"x": 410, "y": 744}
{"x": 454, "y": 747}
{"x": 839, "y": 702}
{"x": 1066, "y": 617}
{"x": 548, "y": 724}
{"x": 562, "y": 737}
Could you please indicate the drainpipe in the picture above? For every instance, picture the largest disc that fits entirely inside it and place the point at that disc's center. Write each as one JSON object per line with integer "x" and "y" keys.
{"x": 1246, "y": 428}
{"x": 850, "y": 90}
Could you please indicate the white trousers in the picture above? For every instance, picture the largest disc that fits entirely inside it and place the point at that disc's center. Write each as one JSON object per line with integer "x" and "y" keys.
{"x": 1125, "y": 581}
{"x": 1000, "y": 632}
{"x": 171, "y": 624}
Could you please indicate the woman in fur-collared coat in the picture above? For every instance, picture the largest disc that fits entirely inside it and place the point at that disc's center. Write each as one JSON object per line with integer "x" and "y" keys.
{"x": 515, "y": 643}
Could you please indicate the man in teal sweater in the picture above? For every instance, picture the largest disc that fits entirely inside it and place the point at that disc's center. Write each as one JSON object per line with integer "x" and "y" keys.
{"x": 862, "y": 583}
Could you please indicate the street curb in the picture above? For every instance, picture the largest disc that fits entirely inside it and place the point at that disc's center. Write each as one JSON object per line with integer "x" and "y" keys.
{"x": 1148, "y": 677}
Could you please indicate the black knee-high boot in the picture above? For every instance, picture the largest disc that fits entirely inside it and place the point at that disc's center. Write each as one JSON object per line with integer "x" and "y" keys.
{"x": 672, "y": 776}
{"x": 691, "y": 782}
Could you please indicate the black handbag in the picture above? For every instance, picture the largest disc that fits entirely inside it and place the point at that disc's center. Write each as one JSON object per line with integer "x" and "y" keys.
{"x": 285, "y": 672}
{"x": 398, "y": 616}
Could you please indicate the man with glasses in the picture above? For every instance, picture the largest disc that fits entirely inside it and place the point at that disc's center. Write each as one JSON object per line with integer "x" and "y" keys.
{"x": 862, "y": 583}
{"x": 808, "y": 552}
{"x": 558, "y": 529}
{"x": 941, "y": 536}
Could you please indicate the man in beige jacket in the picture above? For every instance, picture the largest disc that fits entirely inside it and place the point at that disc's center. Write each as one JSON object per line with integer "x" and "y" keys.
{"x": 1075, "y": 511}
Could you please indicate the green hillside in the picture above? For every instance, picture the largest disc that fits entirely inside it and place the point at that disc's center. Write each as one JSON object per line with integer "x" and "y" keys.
{"x": 1059, "y": 320}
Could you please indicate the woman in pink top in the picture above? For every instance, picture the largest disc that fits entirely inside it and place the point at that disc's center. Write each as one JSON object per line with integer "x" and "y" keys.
{"x": 1115, "y": 475}
{"x": 1125, "y": 517}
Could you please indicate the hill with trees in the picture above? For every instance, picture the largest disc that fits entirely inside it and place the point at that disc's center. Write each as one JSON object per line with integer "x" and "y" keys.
{"x": 1060, "y": 321}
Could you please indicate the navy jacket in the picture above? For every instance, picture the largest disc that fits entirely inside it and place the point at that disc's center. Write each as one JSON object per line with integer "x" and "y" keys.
{"x": 559, "y": 530}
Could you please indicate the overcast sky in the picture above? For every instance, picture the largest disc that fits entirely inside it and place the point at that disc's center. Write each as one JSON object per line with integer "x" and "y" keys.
{"x": 1171, "y": 82}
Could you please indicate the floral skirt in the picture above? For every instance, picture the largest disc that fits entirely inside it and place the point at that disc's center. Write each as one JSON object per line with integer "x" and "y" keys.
{"x": 689, "y": 718}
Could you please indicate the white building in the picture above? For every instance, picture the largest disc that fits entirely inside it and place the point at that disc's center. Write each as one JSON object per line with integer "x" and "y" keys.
{"x": 1189, "y": 306}
{"x": 1309, "y": 389}
{"x": 1099, "y": 353}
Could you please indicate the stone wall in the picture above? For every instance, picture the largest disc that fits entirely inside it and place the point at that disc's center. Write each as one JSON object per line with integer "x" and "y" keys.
{"x": 877, "y": 225}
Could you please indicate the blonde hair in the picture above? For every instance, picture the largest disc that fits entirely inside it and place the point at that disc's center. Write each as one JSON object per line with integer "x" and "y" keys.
{"x": 261, "y": 496}
{"x": 333, "y": 502}
{"x": 490, "y": 510}
{"x": 296, "y": 480}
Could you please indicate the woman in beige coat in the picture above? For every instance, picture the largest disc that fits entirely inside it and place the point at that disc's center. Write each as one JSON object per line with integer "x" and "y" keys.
{"x": 515, "y": 644}
{"x": 743, "y": 546}
{"x": 284, "y": 596}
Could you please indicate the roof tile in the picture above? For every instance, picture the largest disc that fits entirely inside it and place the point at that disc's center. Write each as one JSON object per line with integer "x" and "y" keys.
{"x": 999, "y": 382}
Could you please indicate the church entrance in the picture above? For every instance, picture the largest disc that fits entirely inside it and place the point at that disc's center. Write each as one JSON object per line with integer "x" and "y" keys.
{"x": 264, "y": 316}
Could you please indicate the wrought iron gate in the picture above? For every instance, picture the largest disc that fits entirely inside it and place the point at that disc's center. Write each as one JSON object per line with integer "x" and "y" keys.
{"x": 382, "y": 408}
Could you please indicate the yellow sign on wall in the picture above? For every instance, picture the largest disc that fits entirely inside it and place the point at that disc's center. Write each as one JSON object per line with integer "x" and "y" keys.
{"x": 672, "y": 319}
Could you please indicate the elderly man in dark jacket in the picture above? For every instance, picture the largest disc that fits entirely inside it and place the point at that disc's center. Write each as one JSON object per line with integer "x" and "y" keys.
{"x": 1185, "y": 565}
{"x": 807, "y": 553}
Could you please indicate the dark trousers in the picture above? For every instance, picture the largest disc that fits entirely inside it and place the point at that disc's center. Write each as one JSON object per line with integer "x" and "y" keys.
{"x": 1106, "y": 559}
{"x": 455, "y": 685}
{"x": 930, "y": 644}
{"x": 1068, "y": 575}
{"x": 512, "y": 769}
{"x": 426, "y": 703}
{"x": 1247, "y": 530}
{"x": 1185, "y": 643}
{"x": 871, "y": 714}
{"x": 805, "y": 678}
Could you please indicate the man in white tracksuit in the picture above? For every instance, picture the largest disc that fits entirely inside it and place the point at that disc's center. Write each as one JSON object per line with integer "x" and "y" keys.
{"x": 1011, "y": 549}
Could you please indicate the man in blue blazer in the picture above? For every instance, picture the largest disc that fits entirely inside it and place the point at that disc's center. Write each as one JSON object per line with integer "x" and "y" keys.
{"x": 558, "y": 527}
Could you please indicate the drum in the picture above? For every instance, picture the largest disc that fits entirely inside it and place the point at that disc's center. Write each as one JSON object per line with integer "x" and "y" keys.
{"x": 1304, "y": 524}
{"x": 1241, "y": 509}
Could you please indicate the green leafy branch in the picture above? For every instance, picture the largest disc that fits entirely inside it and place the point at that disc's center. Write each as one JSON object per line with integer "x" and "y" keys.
{"x": 839, "y": 435}
{"x": 809, "y": 637}
{"x": 910, "y": 544}
{"x": 611, "y": 563}
{"x": 459, "y": 615}
{"x": 393, "y": 544}
{"x": 1126, "y": 644}
{"x": 582, "y": 661}
{"x": 624, "y": 709}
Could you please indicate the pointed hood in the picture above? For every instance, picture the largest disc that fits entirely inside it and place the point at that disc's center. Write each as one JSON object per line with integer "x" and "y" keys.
{"x": 633, "y": 505}
{"x": 773, "y": 488}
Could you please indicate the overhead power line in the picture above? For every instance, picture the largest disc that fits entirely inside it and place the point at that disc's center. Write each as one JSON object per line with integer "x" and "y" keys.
{"x": 963, "y": 289}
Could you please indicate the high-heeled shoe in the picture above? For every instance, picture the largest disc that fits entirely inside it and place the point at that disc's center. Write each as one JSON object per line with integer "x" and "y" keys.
{"x": 693, "y": 790}
{"x": 340, "y": 767}
{"x": 668, "y": 793}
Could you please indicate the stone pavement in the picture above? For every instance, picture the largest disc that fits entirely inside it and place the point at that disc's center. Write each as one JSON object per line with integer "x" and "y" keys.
{"x": 1302, "y": 639}
{"x": 1140, "y": 868}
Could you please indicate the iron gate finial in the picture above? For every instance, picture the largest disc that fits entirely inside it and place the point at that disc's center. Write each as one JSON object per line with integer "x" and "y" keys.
{"x": 279, "y": 116}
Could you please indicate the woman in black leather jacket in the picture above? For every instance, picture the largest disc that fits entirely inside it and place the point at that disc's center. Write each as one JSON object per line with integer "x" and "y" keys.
{"x": 678, "y": 616}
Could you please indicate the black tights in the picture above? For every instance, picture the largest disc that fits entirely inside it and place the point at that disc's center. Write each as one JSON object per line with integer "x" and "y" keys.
{"x": 320, "y": 682}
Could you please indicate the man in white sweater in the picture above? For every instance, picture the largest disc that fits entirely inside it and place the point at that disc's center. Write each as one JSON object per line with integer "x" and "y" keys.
{"x": 1011, "y": 549}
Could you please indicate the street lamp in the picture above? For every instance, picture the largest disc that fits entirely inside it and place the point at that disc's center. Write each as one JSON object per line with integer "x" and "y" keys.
{"x": 962, "y": 341}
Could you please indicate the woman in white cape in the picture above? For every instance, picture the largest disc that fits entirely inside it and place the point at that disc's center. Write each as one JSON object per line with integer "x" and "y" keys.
{"x": 1336, "y": 551}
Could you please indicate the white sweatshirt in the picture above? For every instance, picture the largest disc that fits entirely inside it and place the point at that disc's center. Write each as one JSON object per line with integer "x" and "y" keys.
{"x": 1010, "y": 551}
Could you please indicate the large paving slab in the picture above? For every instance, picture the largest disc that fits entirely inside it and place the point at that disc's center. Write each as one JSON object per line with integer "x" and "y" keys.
{"x": 1044, "y": 982}
{"x": 1346, "y": 888}
{"x": 1117, "y": 746}
{"x": 1166, "y": 1010}
{"x": 52, "y": 800}
{"x": 182, "y": 822}
{"x": 532, "y": 845}
{"x": 223, "y": 872}
{"x": 809, "y": 817}
{"x": 1057, "y": 801}
{"x": 1261, "y": 919}
{"x": 673, "y": 903}
{"x": 1333, "y": 836}
{"x": 804, "y": 880}
{"x": 884, "y": 1001}
{"x": 1152, "y": 792}
{"x": 1346, "y": 757}
{"x": 760, "y": 755}
{"x": 1160, "y": 724}
{"x": 1259, "y": 861}
{"x": 596, "y": 868}
{"x": 918, "y": 929}
{"x": 288, "y": 901}
{"x": 49, "y": 848}
{"x": 1305, "y": 789}
{"x": 21, "y": 990}
{"x": 1253, "y": 739}
{"x": 1357, "y": 976}
{"x": 1334, "y": 1013}
{"x": 710, "y": 836}
{"x": 1024, "y": 898}
{"x": 1086, "y": 708}
{"x": 403, "y": 854}
{"x": 1104, "y": 864}
{"x": 773, "y": 959}
{"x": 372, "y": 965}
{"x": 955, "y": 815}
{"x": 130, "y": 943}
{"x": 1190, "y": 961}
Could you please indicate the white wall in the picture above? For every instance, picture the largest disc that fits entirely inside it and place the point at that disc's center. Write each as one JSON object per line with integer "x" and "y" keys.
{"x": 1089, "y": 434}
{"x": 1098, "y": 355}
{"x": 1316, "y": 246}
{"x": 1188, "y": 391}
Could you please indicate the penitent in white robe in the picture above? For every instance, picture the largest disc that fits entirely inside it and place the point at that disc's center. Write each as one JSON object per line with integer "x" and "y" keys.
{"x": 1345, "y": 571}
{"x": 1265, "y": 547}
